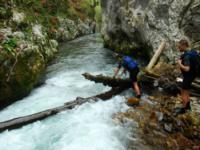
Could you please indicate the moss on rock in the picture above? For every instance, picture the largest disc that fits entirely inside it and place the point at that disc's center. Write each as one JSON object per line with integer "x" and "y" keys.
{"x": 29, "y": 31}
{"x": 127, "y": 47}
{"x": 19, "y": 82}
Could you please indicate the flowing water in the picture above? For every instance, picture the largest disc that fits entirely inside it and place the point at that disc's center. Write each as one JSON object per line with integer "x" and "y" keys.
{"x": 88, "y": 127}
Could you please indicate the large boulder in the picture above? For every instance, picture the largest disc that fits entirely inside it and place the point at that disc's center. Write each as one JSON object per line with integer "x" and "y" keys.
{"x": 19, "y": 77}
{"x": 142, "y": 24}
{"x": 23, "y": 62}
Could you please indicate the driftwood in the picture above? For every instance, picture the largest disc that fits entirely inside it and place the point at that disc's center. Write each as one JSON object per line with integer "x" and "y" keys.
{"x": 21, "y": 121}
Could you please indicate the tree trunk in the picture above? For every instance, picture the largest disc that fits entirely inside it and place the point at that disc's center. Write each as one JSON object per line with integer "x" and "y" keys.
{"x": 108, "y": 81}
{"x": 21, "y": 121}
{"x": 118, "y": 85}
{"x": 147, "y": 80}
{"x": 157, "y": 54}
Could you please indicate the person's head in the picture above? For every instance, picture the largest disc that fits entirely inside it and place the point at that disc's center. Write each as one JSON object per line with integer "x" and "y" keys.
{"x": 183, "y": 45}
{"x": 117, "y": 56}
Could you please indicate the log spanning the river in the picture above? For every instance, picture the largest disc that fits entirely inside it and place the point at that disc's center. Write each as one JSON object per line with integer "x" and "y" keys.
{"x": 113, "y": 82}
{"x": 108, "y": 81}
{"x": 147, "y": 79}
{"x": 118, "y": 85}
{"x": 21, "y": 121}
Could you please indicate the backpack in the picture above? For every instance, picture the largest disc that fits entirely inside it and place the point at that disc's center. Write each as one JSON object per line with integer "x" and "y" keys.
{"x": 195, "y": 61}
{"x": 129, "y": 63}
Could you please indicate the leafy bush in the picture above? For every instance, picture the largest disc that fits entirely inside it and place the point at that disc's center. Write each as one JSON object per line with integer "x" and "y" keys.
{"x": 10, "y": 45}
{"x": 5, "y": 13}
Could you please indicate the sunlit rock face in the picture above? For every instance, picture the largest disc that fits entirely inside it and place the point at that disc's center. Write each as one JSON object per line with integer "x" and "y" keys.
{"x": 144, "y": 23}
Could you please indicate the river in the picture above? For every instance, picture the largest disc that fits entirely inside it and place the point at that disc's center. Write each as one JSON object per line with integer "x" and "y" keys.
{"x": 88, "y": 127}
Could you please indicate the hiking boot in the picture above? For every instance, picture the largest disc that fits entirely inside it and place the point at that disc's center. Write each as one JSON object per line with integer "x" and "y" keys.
{"x": 188, "y": 107}
{"x": 138, "y": 96}
{"x": 179, "y": 110}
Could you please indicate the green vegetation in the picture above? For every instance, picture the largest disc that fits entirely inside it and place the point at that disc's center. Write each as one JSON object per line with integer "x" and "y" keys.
{"x": 42, "y": 11}
{"x": 10, "y": 45}
{"x": 98, "y": 15}
{"x": 37, "y": 25}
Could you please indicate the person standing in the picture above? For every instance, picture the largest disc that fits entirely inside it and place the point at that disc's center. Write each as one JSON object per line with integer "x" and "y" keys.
{"x": 187, "y": 67}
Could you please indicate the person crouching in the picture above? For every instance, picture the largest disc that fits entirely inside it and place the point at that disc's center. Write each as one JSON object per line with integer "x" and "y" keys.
{"x": 130, "y": 65}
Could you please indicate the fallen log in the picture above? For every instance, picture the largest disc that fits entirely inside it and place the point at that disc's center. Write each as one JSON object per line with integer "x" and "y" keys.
{"x": 113, "y": 82}
{"x": 148, "y": 80}
{"x": 118, "y": 85}
{"x": 108, "y": 81}
{"x": 25, "y": 120}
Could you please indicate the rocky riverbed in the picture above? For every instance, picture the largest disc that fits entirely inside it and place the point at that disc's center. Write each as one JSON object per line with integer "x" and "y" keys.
{"x": 155, "y": 125}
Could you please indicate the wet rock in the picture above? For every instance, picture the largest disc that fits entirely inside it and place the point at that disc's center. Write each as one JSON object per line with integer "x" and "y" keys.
{"x": 25, "y": 74}
{"x": 160, "y": 129}
{"x": 133, "y": 101}
{"x": 168, "y": 127}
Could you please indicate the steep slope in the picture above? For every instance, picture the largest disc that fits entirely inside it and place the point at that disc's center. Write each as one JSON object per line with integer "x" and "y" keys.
{"x": 29, "y": 34}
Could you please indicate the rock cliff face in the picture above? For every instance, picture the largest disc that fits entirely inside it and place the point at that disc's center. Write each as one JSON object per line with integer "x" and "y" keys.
{"x": 142, "y": 24}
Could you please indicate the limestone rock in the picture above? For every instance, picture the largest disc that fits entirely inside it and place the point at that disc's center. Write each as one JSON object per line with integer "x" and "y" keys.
{"x": 19, "y": 35}
{"x": 37, "y": 31}
{"x": 6, "y": 32}
{"x": 25, "y": 74}
{"x": 70, "y": 29}
{"x": 18, "y": 17}
{"x": 142, "y": 24}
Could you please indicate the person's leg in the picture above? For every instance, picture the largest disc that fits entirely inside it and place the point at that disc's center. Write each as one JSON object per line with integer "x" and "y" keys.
{"x": 133, "y": 76}
{"x": 185, "y": 97}
{"x": 137, "y": 89}
{"x": 185, "y": 94}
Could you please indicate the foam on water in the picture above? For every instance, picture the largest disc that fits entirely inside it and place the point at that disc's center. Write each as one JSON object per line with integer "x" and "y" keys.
{"x": 88, "y": 127}
{"x": 64, "y": 80}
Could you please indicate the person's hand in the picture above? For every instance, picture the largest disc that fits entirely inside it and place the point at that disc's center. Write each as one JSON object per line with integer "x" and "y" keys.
{"x": 118, "y": 77}
{"x": 179, "y": 62}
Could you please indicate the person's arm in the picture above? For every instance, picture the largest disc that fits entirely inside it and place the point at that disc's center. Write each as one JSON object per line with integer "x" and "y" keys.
{"x": 123, "y": 72}
{"x": 116, "y": 72}
{"x": 185, "y": 68}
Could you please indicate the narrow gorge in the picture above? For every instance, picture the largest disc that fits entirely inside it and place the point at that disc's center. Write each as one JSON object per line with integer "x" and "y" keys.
{"x": 58, "y": 89}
